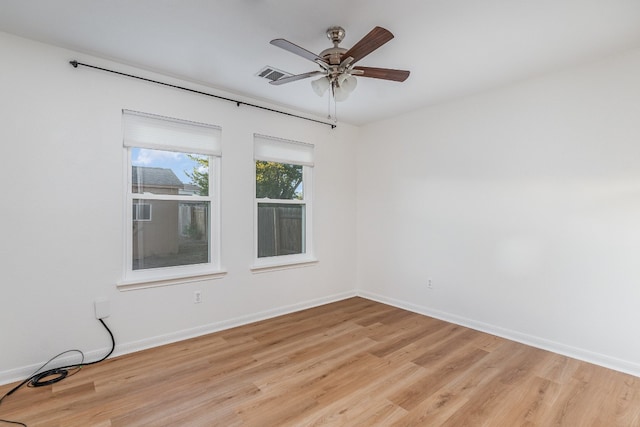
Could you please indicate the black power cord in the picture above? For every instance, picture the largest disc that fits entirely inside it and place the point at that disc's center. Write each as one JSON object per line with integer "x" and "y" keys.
{"x": 42, "y": 378}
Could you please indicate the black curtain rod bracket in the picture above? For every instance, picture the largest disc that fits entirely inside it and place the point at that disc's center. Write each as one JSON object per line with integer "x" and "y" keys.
{"x": 75, "y": 64}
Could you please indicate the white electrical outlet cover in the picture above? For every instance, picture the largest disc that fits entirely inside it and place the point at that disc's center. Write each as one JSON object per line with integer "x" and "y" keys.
{"x": 102, "y": 308}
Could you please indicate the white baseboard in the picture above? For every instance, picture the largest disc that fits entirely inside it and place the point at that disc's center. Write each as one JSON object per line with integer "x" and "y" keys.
{"x": 21, "y": 373}
{"x": 227, "y": 324}
{"x": 628, "y": 367}
{"x": 574, "y": 352}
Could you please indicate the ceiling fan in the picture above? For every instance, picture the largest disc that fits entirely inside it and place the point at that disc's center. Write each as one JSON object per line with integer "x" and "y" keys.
{"x": 337, "y": 64}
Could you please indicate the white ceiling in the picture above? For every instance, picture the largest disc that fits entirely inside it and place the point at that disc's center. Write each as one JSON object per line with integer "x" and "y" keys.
{"x": 452, "y": 47}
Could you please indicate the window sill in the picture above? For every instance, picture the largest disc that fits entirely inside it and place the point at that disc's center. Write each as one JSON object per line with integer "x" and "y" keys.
{"x": 277, "y": 264}
{"x": 154, "y": 282}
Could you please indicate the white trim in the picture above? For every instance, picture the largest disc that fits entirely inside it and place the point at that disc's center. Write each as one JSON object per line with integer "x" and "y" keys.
{"x": 616, "y": 364}
{"x": 269, "y": 201}
{"x": 148, "y": 278}
{"x": 279, "y": 262}
{"x": 229, "y": 323}
{"x": 631, "y": 368}
{"x": 172, "y": 197}
{"x": 284, "y": 262}
{"x": 18, "y": 374}
{"x": 169, "y": 279}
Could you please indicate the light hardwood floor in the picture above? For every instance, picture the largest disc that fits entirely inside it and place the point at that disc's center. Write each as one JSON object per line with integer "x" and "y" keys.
{"x": 351, "y": 363}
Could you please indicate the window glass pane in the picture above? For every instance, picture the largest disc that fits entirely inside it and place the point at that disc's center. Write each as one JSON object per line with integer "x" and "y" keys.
{"x": 141, "y": 212}
{"x": 280, "y": 229}
{"x": 169, "y": 172}
{"x": 278, "y": 181}
{"x": 176, "y": 234}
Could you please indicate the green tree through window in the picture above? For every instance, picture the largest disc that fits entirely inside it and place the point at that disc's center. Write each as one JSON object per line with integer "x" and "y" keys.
{"x": 278, "y": 180}
{"x": 199, "y": 175}
{"x": 273, "y": 180}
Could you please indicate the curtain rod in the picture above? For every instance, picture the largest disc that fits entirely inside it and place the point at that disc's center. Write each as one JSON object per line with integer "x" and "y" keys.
{"x": 238, "y": 103}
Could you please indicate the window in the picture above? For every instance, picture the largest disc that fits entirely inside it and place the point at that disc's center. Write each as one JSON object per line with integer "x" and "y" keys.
{"x": 141, "y": 212}
{"x": 172, "y": 199}
{"x": 283, "y": 187}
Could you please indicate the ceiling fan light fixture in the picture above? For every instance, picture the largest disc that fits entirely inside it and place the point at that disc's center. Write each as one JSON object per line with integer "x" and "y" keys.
{"x": 347, "y": 82}
{"x": 339, "y": 94}
{"x": 320, "y": 86}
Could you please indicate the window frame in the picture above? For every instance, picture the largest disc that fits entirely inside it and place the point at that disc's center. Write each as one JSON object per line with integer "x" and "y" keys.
{"x": 307, "y": 257}
{"x": 163, "y": 276}
{"x": 137, "y": 210}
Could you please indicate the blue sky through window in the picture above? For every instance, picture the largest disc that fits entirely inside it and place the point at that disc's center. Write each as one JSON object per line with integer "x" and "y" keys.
{"x": 177, "y": 162}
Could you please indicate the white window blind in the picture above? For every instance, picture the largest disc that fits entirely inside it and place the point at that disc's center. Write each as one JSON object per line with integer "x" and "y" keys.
{"x": 271, "y": 149}
{"x": 163, "y": 133}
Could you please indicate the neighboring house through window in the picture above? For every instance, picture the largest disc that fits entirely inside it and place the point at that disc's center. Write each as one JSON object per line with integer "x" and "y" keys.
{"x": 283, "y": 202}
{"x": 141, "y": 212}
{"x": 172, "y": 197}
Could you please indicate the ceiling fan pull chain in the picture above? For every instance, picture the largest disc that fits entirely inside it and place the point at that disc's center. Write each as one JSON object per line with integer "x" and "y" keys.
{"x": 329, "y": 98}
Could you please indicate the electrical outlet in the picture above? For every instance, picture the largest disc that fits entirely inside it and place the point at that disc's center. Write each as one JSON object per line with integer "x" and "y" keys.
{"x": 429, "y": 283}
{"x": 197, "y": 297}
{"x": 102, "y": 308}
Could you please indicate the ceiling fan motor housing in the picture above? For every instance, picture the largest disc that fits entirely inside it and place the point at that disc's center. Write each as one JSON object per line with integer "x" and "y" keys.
{"x": 333, "y": 55}
{"x": 336, "y": 34}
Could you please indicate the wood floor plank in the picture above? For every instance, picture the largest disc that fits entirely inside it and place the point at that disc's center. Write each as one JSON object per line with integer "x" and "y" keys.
{"x": 432, "y": 411}
{"x": 355, "y": 362}
{"x": 529, "y": 404}
{"x": 447, "y": 370}
{"x": 406, "y": 336}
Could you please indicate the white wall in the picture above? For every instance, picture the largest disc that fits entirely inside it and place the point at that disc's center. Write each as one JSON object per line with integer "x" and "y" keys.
{"x": 521, "y": 204}
{"x": 61, "y": 234}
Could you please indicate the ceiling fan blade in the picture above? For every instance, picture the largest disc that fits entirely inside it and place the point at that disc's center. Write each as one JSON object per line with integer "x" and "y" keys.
{"x": 376, "y": 38}
{"x": 296, "y": 77}
{"x": 295, "y": 49}
{"x": 382, "y": 73}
